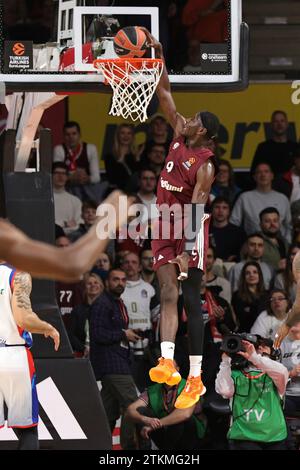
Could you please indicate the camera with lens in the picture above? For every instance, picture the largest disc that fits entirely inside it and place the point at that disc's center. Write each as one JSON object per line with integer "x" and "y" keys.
{"x": 232, "y": 345}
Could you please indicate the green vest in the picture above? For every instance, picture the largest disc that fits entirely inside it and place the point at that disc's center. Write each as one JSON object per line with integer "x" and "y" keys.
{"x": 256, "y": 409}
{"x": 155, "y": 393}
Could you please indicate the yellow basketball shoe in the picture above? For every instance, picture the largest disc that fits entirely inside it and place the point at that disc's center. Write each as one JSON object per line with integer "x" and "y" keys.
{"x": 165, "y": 372}
{"x": 191, "y": 393}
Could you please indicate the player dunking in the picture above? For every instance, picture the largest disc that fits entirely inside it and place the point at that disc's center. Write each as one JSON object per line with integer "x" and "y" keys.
{"x": 186, "y": 180}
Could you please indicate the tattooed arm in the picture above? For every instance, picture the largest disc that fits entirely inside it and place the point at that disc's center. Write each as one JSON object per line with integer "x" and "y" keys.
{"x": 22, "y": 310}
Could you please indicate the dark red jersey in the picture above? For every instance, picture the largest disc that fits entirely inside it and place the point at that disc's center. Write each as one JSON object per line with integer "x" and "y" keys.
{"x": 179, "y": 175}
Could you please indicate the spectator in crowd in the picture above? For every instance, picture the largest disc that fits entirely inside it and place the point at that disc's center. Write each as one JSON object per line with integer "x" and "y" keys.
{"x": 68, "y": 295}
{"x": 224, "y": 184}
{"x": 251, "y": 297}
{"x": 268, "y": 321}
{"x": 290, "y": 350}
{"x": 89, "y": 209}
{"x": 146, "y": 193}
{"x": 249, "y": 204}
{"x": 157, "y": 418}
{"x": 220, "y": 283}
{"x": 277, "y": 152}
{"x": 141, "y": 309}
{"x": 254, "y": 252}
{"x": 104, "y": 262}
{"x": 147, "y": 273}
{"x": 82, "y": 163}
{"x": 285, "y": 279}
{"x": 226, "y": 239}
{"x": 255, "y": 392}
{"x": 67, "y": 207}
{"x": 159, "y": 133}
{"x": 109, "y": 354}
{"x": 206, "y": 20}
{"x": 275, "y": 247}
{"x": 289, "y": 182}
{"x": 122, "y": 162}
{"x": 80, "y": 316}
{"x": 155, "y": 158}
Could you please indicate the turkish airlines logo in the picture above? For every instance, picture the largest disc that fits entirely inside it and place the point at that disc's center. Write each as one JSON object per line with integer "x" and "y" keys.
{"x": 58, "y": 413}
{"x": 19, "y": 49}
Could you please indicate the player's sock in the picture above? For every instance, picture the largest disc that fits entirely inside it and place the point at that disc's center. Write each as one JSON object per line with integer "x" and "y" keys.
{"x": 167, "y": 349}
{"x": 195, "y": 366}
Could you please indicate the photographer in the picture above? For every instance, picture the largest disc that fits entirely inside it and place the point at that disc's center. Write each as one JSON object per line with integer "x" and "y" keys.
{"x": 255, "y": 390}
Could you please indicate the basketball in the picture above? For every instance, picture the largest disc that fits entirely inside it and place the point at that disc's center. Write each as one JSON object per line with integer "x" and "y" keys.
{"x": 130, "y": 41}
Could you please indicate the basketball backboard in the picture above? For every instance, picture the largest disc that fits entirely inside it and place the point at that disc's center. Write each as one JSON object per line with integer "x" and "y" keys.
{"x": 55, "y": 50}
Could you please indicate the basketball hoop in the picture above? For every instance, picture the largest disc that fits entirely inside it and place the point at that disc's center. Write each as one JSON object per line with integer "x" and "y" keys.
{"x": 133, "y": 82}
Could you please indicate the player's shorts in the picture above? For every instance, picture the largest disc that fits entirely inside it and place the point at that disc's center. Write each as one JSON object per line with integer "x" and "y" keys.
{"x": 165, "y": 250}
{"x": 18, "y": 387}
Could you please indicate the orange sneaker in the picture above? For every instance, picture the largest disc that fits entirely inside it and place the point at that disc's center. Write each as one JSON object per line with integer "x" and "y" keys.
{"x": 191, "y": 393}
{"x": 165, "y": 372}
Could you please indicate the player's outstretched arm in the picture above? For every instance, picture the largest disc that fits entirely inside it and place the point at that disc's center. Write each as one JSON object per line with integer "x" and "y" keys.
{"x": 46, "y": 261}
{"x": 22, "y": 310}
{"x": 163, "y": 89}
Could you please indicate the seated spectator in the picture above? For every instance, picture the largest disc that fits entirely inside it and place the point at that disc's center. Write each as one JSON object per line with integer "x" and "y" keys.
{"x": 206, "y": 20}
{"x": 68, "y": 295}
{"x": 67, "y": 207}
{"x": 146, "y": 193}
{"x": 109, "y": 354}
{"x": 167, "y": 427}
{"x": 268, "y": 321}
{"x": 251, "y": 297}
{"x": 285, "y": 279}
{"x": 255, "y": 394}
{"x": 290, "y": 350}
{"x": 104, "y": 262}
{"x": 222, "y": 285}
{"x": 225, "y": 238}
{"x": 249, "y": 204}
{"x": 89, "y": 209}
{"x": 159, "y": 133}
{"x": 80, "y": 316}
{"x": 277, "y": 152}
{"x": 154, "y": 160}
{"x": 122, "y": 162}
{"x": 147, "y": 273}
{"x": 275, "y": 246}
{"x": 254, "y": 252}
{"x": 224, "y": 185}
{"x": 82, "y": 163}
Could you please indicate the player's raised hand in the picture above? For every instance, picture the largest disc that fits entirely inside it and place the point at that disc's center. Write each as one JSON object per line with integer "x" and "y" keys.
{"x": 182, "y": 262}
{"x": 151, "y": 40}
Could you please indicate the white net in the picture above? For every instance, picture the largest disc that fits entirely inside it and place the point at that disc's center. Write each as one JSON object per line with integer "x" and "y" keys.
{"x": 133, "y": 83}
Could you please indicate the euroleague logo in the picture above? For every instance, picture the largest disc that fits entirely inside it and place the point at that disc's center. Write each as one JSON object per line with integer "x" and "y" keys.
{"x": 18, "y": 49}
